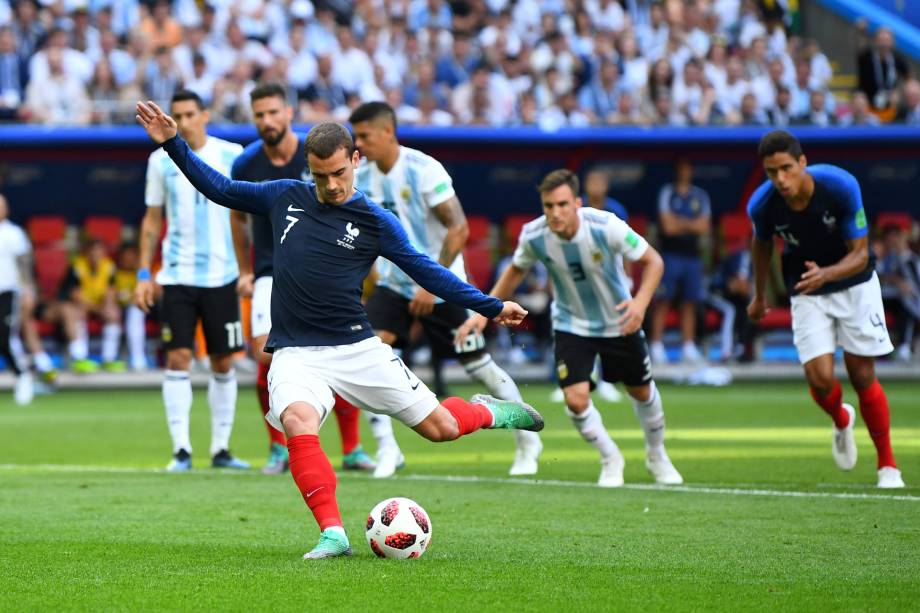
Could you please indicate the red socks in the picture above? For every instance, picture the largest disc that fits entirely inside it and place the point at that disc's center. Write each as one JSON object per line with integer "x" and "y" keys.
{"x": 347, "y": 415}
{"x": 274, "y": 436}
{"x": 315, "y": 479}
{"x": 470, "y": 417}
{"x": 832, "y": 405}
{"x": 873, "y": 405}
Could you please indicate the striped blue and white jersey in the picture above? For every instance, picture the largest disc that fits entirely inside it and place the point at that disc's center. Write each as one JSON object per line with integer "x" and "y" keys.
{"x": 415, "y": 184}
{"x": 586, "y": 272}
{"x": 198, "y": 246}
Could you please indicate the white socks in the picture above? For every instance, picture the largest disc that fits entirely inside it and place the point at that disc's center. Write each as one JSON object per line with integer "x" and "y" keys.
{"x": 222, "y": 392}
{"x": 651, "y": 416}
{"x": 591, "y": 427}
{"x": 111, "y": 338}
{"x": 135, "y": 331}
{"x": 502, "y": 386}
{"x": 177, "y": 397}
{"x": 78, "y": 348}
{"x": 382, "y": 429}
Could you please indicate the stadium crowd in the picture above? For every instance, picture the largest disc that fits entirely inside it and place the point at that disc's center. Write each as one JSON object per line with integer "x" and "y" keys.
{"x": 550, "y": 63}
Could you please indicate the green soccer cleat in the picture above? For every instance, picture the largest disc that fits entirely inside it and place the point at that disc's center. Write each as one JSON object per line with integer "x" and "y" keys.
{"x": 116, "y": 366}
{"x": 510, "y": 414}
{"x": 358, "y": 459}
{"x": 332, "y": 544}
{"x": 278, "y": 461}
{"x": 84, "y": 367}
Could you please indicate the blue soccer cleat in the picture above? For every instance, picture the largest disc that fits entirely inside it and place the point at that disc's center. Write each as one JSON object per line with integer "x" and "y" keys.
{"x": 223, "y": 459}
{"x": 181, "y": 462}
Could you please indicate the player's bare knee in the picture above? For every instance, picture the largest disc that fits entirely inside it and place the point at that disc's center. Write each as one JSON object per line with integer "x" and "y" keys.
{"x": 300, "y": 418}
{"x": 577, "y": 400}
{"x": 439, "y": 427}
{"x": 861, "y": 371}
{"x": 641, "y": 393}
{"x": 221, "y": 363}
{"x": 178, "y": 359}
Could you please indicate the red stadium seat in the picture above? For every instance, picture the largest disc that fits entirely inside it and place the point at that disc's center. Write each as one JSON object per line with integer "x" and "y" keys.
{"x": 480, "y": 229}
{"x": 639, "y": 224}
{"x": 513, "y": 225}
{"x": 51, "y": 265}
{"x": 901, "y": 220}
{"x": 478, "y": 259}
{"x": 46, "y": 230}
{"x": 777, "y": 318}
{"x": 106, "y": 229}
{"x": 735, "y": 229}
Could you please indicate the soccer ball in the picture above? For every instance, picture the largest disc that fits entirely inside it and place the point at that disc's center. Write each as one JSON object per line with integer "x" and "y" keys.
{"x": 398, "y": 528}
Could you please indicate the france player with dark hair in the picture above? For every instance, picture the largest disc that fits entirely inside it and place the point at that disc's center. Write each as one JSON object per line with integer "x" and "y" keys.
{"x": 327, "y": 236}
{"x": 835, "y": 294}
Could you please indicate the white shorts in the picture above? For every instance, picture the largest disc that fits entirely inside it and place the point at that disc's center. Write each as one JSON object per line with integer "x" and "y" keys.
{"x": 854, "y": 318}
{"x": 261, "y": 315}
{"x": 367, "y": 374}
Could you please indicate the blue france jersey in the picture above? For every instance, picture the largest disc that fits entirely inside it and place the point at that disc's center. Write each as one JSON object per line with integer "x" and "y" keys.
{"x": 818, "y": 233}
{"x": 323, "y": 253}
{"x": 253, "y": 165}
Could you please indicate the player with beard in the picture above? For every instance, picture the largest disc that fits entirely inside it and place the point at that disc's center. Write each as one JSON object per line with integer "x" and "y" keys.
{"x": 277, "y": 156}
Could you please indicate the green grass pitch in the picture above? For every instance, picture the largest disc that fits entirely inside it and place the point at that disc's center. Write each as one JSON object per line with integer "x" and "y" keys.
{"x": 765, "y": 521}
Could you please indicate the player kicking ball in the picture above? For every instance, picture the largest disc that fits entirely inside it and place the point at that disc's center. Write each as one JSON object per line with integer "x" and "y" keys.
{"x": 836, "y": 299}
{"x": 327, "y": 237}
{"x": 593, "y": 315}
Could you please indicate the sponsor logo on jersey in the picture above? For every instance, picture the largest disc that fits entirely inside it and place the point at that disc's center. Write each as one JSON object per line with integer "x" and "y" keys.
{"x": 597, "y": 256}
{"x": 861, "y": 218}
{"x": 632, "y": 239}
{"x": 405, "y": 192}
{"x": 441, "y": 188}
{"x": 830, "y": 222}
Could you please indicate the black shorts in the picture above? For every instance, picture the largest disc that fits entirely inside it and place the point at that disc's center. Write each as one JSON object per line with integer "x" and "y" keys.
{"x": 219, "y": 311}
{"x": 623, "y": 358}
{"x": 389, "y": 311}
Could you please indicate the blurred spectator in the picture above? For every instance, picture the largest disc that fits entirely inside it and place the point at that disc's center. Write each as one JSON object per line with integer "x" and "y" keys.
{"x": 352, "y": 68}
{"x": 88, "y": 289}
{"x": 817, "y": 114}
{"x": 231, "y": 94}
{"x": 122, "y": 65}
{"x": 860, "y": 114}
{"x": 201, "y": 81}
{"x": 780, "y": 114}
{"x": 324, "y": 89}
{"x": 732, "y": 284}
{"x": 160, "y": 27}
{"x": 692, "y": 96}
{"x": 455, "y": 67}
{"x": 11, "y": 76}
{"x": 424, "y": 84}
{"x": 909, "y": 112}
{"x": 597, "y": 194}
{"x": 430, "y": 114}
{"x": 74, "y": 63}
{"x": 28, "y": 29}
{"x": 600, "y": 97}
{"x": 736, "y": 86}
{"x": 195, "y": 44}
{"x": 135, "y": 319}
{"x": 751, "y": 114}
{"x": 683, "y": 219}
{"x": 161, "y": 77}
{"x": 899, "y": 274}
{"x": 57, "y": 98}
{"x": 881, "y": 69}
{"x": 486, "y": 93}
{"x": 83, "y": 35}
{"x": 634, "y": 66}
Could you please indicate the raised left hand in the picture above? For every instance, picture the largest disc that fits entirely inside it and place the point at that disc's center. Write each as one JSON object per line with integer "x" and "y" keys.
{"x": 812, "y": 279}
{"x": 160, "y": 126}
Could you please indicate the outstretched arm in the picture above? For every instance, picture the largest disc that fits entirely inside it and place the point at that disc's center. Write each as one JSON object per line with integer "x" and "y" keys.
{"x": 395, "y": 246}
{"x": 240, "y": 195}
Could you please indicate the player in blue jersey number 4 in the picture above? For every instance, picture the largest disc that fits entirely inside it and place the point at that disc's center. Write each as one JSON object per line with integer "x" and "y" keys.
{"x": 327, "y": 236}
{"x": 830, "y": 275}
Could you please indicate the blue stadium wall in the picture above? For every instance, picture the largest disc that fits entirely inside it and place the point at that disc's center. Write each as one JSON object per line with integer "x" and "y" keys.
{"x": 78, "y": 172}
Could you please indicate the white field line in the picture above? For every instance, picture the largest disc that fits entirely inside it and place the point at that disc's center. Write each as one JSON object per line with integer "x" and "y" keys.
{"x": 688, "y": 489}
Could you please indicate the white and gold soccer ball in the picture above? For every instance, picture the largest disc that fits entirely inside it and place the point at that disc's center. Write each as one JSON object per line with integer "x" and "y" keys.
{"x": 398, "y": 528}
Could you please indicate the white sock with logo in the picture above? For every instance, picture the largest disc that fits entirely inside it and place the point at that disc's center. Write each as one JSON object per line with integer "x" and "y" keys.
{"x": 382, "y": 429}
{"x": 591, "y": 427}
{"x": 651, "y": 415}
{"x": 222, "y": 392}
{"x": 501, "y": 386}
{"x": 177, "y": 398}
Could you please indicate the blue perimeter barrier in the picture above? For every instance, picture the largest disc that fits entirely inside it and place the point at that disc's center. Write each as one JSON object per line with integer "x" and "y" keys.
{"x": 78, "y": 172}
